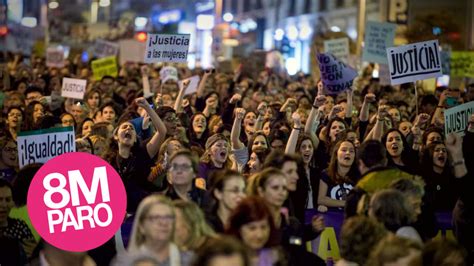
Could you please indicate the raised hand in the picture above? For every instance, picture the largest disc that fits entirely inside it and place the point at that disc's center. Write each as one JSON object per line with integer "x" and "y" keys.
{"x": 296, "y": 119}
{"x": 262, "y": 107}
{"x": 319, "y": 101}
{"x": 235, "y": 98}
{"x": 239, "y": 113}
{"x": 370, "y": 98}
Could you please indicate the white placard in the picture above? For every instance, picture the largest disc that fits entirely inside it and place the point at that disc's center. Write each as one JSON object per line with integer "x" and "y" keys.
{"x": 38, "y": 146}
{"x": 338, "y": 47}
{"x": 131, "y": 51}
{"x": 54, "y": 57}
{"x": 415, "y": 61}
{"x": 193, "y": 84}
{"x": 74, "y": 88}
{"x": 167, "y": 48}
{"x": 456, "y": 119}
{"x": 104, "y": 48}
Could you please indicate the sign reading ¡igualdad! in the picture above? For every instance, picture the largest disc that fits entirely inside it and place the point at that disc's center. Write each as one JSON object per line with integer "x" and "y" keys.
{"x": 415, "y": 61}
{"x": 38, "y": 146}
{"x": 456, "y": 119}
{"x": 167, "y": 48}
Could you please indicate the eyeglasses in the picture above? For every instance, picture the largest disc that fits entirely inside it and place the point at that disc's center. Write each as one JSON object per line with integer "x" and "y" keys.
{"x": 160, "y": 218}
{"x": 180, "y": 167}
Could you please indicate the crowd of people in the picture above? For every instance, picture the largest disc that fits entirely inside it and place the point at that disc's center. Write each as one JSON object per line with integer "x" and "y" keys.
{"x": 226, "y": 175}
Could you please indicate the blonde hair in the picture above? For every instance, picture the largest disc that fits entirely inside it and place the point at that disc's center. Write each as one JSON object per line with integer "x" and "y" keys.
{"x": 199, "y": 229}
{"x": 137, "y": 238}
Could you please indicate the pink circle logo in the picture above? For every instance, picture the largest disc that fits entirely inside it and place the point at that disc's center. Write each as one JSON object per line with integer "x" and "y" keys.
{"x": 77, "y": 201}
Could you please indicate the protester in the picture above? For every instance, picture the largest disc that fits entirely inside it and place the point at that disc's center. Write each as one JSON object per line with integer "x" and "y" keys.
{"x": 252, "y": 222}
{"x": 396, "y": 251}
{"x": 222, "y": 251}
{"x": 153, "y": 232}
{"x": 182, "y": 178}
{"x": 359, "y": 236}
{"x": 226, "y": 189}
{"x": 191, "y": 229}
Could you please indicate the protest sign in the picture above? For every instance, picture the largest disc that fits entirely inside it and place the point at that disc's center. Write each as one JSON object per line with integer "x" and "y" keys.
{"x": 168, "y": 73}
{"x": 69, "y": 199}
{"x": 131, "y": 51}
{"x": 384, "y": 75}
{"x": 326, "y": 245}
{"x": 338, "y": 47}
{"x": 462, "y": 64}
{"x": 54, "y": 57}
{"x": 336, "y": 75}
{"x": 38, "y": 146}
{"x": 193, "y": 84}
{"x": 378, "y": 37}
{"x": 104, "y": 48}
{"x": 104, "y": 67}
{"x": 445, "y": 62}
{"x": 73, "y": 88}
{"x": 167, "y": 48}
{"x": 456, "y": 119}
{"x": 415, "y": 61}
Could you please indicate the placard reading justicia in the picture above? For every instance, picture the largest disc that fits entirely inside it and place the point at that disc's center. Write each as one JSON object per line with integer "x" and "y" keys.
{"x": 413, "y": 62}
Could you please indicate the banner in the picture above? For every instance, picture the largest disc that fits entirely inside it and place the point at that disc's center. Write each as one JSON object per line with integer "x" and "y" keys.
{"x": 54, "y": 57}
{"x": 104, "y": 48}
{"x": 462, "y": 64}
{"x": 131, "y": 51}
{"x": 73, "y": 88}
{"x": 193, "y": 84}
{"x": 167, "y": 48}
{"x": 38, "y": 146}
{"x": 104, "y": 67}
{"x": 326, "y": 245}
{"x": 338, "y": 47}
{"x": 336, "y": 76}
{"x": 415, "y": 61}
{"x": 378, "y": 37}
{"x": 456, "y": 119}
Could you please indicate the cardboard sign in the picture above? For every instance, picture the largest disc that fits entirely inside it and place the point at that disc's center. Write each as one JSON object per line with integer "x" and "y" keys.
{"x": 74, "y": 88}
{"x": 462, "y": 64}
{"x": 338, "y": 47}
{"x": 456, "y": 119}
{"x": 54, "y": 57}
{"x": 384, "y": 75}
{"x": 167, "y": 48}
{"x": 415, "y": 61}
{"x": 193, "y": 84}
{"x": 38, "y": 146}
{"x": 131, "y": 51}
{"x": 336, "y": 76}
{"x": 104, "y": 67}
{"x": 104, "y": 48}
{"x": 378, "y": 37}
{"x": 445, "y": 62}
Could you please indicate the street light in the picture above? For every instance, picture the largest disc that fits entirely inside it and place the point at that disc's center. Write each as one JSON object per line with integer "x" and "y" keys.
{"x": 53, "y": 5}
{"x": 104, "y": 3}
{"x": 228, "y": 17}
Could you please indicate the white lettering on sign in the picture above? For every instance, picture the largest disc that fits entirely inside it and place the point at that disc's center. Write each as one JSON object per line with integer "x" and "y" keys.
{"x": 75, "y": 214}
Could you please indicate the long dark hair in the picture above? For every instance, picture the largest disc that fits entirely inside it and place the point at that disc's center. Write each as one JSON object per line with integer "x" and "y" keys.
{"x": 427, "y": 160}
{"x": 407, "y": 153}
{"x": 217, "y": 181}
{"x": 29, "y": 123}
{"x": 333, "y": 163}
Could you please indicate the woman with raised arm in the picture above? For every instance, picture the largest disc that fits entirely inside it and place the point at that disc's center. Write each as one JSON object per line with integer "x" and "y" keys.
{"x": 133, "y": 160}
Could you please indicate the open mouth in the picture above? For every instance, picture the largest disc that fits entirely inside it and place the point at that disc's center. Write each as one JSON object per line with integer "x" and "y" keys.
{"x": 394, "y": 147}
{"x": 441, "y": 158}
{"x": 306, "y": 157}
{"x": 347, "y": 158}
